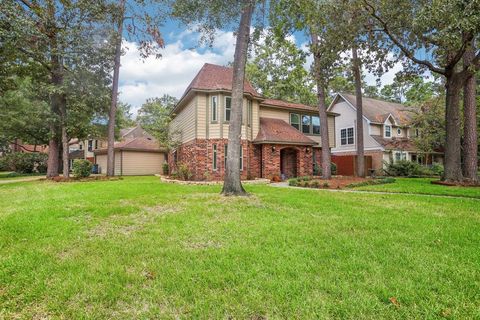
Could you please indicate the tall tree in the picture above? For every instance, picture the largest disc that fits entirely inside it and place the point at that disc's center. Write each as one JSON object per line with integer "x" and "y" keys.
{"x": 470, "y": 138}
{"x": 434, "y": 36}
{"x": 144, "y": 29}
{"x": 356, "y": 66}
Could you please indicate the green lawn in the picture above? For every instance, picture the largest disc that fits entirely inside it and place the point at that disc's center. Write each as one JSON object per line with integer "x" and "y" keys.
{"x": 7, "y": 175}
{"x": 140, "y": 249}
{"x": 423, "y": 186}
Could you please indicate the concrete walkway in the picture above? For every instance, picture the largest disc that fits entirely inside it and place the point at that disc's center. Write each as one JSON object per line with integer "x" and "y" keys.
{"x": 284, "y": 184}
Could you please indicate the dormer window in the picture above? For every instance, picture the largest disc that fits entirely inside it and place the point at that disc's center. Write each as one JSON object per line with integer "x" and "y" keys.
{"x": 388, "y": 131}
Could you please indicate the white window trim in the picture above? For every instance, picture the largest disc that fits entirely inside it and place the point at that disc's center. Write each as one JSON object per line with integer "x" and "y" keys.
{"x": 225, "y": 108}
{"x": 299, "y": 120}
{"x": 385, "y": 131}
{"x": 346, "y": 132}
{"x": 399, "y": 131}
{"x": 216, "y": 109}
{"x": 215, "y": 158}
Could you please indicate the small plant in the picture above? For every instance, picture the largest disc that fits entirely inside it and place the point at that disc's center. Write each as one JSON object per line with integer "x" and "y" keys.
{"x": 207, "y": 176}
{"x": 165, "y": 169}
{"x": 325, "y": 185}
{"x": 437, "y": 169}
{"x": 371, "y": 182}
{"x": 82, "y": 168}
{"x": 315, "y": 184}
{"x": 184, "y": 172}
{"x": 293, "y": 182}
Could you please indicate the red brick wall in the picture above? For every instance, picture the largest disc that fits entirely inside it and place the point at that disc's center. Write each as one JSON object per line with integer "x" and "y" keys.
{"x": 271, "y": 160}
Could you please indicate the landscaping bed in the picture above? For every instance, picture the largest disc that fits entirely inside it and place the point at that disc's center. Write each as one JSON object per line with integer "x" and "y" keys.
{"x": 337, "y": 182}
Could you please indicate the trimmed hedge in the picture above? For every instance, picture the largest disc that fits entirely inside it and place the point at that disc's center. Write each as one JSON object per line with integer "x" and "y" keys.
{"x": 82, "y": 168}
{"x": 371, "y": 182}
{"x": 404, "y": 168}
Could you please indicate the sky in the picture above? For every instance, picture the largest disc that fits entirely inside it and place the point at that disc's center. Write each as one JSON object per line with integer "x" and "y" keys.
{"x": 181, "y": 59}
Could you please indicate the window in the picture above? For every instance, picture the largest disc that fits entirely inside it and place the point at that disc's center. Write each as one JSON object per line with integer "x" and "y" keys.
{"x": 214, "y": 108}
{"x": 225, "y": 157}
{"x": 316, "y": 125}
{"x": 80, "y": 146}
{"x": 241, "y": 158}
{"x": 295, "y": 120}
{"x": 388, "y": 131}
{"x": 399, "y": 132}
{"x": 214, "y": 157}
{"x": 306, "y": 122}
{"x": 228, "y": 108}
{"x": 400, "y": 155}
{"x": 417, "y": 133}
{"x": 346, "y": 136}
{"x": 96, "y": 144}
{"x": 249, "y": 113}
{"x": 90, "y": 145}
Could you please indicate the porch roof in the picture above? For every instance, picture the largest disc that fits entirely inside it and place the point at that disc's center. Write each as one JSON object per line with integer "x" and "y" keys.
{"x": 278, "y": 131}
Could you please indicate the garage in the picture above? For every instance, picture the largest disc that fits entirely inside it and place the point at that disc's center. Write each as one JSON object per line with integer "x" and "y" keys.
{"x": 134, "y": 157}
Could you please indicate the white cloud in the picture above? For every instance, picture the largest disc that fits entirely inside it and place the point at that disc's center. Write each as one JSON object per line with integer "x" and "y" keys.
{"x": 172, "y": 73}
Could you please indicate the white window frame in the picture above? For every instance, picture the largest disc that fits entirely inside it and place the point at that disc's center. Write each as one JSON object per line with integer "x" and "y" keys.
{"x": 319, "y": 125}
{"x": 385, "y": 130}
{"x": 309, "y": 123}
{"x": 399, "y": 131}
{"x": 346, "y": 136}
{"x": 299, "y": 120}
{"x": 215, "y": 159}
{"x": 214, "y": 108}
{"x": 225, "y": 109}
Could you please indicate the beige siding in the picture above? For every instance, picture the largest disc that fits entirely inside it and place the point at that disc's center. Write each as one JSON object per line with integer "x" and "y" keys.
{"x": 201, "y": 116}
{"x": 266, "y": 112}
{"x": 375, "y": 129}
{"x": 255, "y": 119}
{"x": 184, "y": 122}
{"x": 141, "y": 163}
{"x": 101, "y": 160}
{"x": 331, "y": 133}
{"x": 133, "y": 163}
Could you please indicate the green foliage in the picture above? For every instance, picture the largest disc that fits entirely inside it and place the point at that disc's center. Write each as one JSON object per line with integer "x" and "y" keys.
{"x": 183, "y": 172}
{"x": 333, "y": 168}
{"x": 82, "y": 168}
{"x": 437, "y": 169}
{"x": 371, "y": 182}
{"x": 404, "y": 168}
{"x": 277, "y": 70}
{"x": 429, "y": 120}
{"x": 24, "y": 162}
{"x": 155, "y": 116}
{"x": 165, "y": 169}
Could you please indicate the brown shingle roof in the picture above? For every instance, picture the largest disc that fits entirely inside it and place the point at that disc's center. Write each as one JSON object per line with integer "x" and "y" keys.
{"x": 214, "y": 77}
{"x": 403, "y": 144}
{"x": 289, "y": 105}
{"x": 135, "y": 144}
{"x": 378, "y": 110}
{"x": 278, "y": 131}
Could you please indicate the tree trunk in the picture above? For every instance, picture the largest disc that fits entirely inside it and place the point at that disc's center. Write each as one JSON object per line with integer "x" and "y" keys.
{"x": 470, "y": 139}
{"x": 359, "y": 106}
{"x": 453, "y": 168}
{"x": 232, "y": 184}
{"x": 52, "y": 162}
{"x": 113, "y": 106}
{"x": 322, "y": 111}
{"x": 65, "y": 151}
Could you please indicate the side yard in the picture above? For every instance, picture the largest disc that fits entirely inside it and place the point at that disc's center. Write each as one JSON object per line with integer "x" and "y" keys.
{"x": 140, "y": 248}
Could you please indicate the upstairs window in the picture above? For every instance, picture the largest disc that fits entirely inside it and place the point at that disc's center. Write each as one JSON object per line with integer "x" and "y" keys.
{"x": 90, "y": 145}
{"x": 347, "y": 136}
{"x": 399, "y": 132}
{"x": 388, "y": 131}
{"x": 295, "y": 120}
{"x": 316, "y": 125}
{"x": 306, "y": 122}
{"x": 228, "y": 108}
{"x": 214, "y": 108}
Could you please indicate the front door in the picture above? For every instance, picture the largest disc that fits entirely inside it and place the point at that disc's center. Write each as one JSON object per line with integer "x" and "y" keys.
{"x": 288, "y": 163}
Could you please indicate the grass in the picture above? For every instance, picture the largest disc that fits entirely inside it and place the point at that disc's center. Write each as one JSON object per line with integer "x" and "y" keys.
{"x": 423, "y": 186}
{"x": 140, "y": 249}
{"x": 13, "y": 175}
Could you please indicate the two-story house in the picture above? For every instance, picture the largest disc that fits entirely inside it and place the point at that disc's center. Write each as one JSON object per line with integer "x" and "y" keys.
{"x": 279, "y": 138}
{"x": 387, "y": 133}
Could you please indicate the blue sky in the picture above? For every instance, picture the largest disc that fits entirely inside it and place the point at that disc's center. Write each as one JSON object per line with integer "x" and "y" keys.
{"x": 181, "y": 59}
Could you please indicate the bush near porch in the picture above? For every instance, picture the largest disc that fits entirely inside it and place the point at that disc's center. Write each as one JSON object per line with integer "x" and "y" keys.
{"x": 338, "y": 182}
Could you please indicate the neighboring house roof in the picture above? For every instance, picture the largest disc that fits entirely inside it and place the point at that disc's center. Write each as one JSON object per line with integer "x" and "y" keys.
{"x": 291, "y": 105}
{"x": 404, "y": 144}
{"x": 134, "y": 132}
{"x": 278, "y": 131}
{"x": 214, "y": 77}
{"x": 77, "y": 154}
{"x": 378, "y": 111}
{"x": 135, "y": 144}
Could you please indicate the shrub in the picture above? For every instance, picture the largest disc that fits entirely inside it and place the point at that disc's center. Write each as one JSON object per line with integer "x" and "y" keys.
{"x": 165, "y": 168}
{"x": 325, "y": 185}
{"x": 24, "y": 162}
{"x": 333, "y": 169}
{"x": 437, "y": 169}
{"x": 315, "y": 184}
{"x": 317, "y": 170}
{"x": 183, "y": 172}
{"x": 293, "y": 182}
{"x": 404, "y": 168}
{"x": 82, "y": 168}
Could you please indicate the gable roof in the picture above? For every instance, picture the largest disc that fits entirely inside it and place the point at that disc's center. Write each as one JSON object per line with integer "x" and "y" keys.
{"x": 278, "y": 131}
{"x": 135, "y": 144}
{"x": 291, "y": 105}
{"x": 214, "y": 77}
{"x": 404, "y": 144}
{"x": 378, "y": 111}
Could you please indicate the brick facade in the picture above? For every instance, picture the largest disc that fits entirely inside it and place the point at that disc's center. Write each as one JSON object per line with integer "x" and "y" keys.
{"x": 259, "y": 160}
